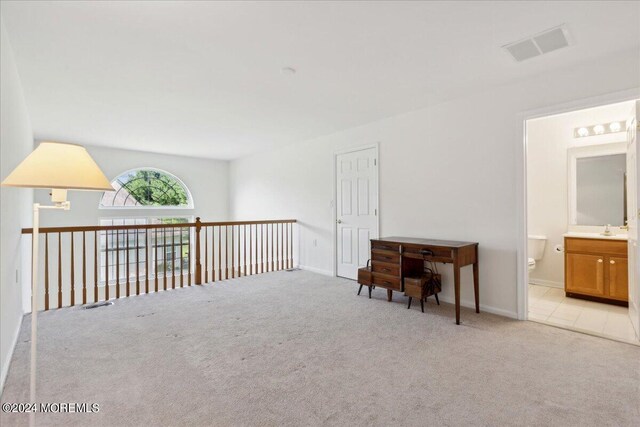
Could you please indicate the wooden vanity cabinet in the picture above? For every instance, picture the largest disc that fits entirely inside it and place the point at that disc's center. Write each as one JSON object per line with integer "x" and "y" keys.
{"x": 619, "y": 278}
{"x": 596, "y": 269}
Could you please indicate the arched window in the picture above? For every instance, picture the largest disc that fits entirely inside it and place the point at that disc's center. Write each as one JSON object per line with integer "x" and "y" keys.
{"x": 147, "y": 188}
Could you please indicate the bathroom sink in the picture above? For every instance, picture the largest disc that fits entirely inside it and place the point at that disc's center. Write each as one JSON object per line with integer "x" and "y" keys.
{"x": 585, "y": 235}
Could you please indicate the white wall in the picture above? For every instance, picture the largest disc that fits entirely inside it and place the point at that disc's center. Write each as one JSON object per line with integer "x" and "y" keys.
{"x": 206, "y": 179}
{"x": 446, "y": 171}
{"x": 548, "y": 140}
{"x": 16, "y": 142}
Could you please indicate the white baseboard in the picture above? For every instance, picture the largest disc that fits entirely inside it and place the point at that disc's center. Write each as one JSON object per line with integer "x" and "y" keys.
{"x": 463, "y": 303}
{"x": 549, "y": 283}
{"x": 316, "y": 270}
{"x": 485, "y": 308}
{"x": 5, "y": 368}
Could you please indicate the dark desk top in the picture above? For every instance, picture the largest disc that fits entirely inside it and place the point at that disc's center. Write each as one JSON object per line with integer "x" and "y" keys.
{"x": 426, "y": 242}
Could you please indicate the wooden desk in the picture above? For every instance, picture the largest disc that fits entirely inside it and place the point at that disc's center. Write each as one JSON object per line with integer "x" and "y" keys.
{"x": 394, "y": 258}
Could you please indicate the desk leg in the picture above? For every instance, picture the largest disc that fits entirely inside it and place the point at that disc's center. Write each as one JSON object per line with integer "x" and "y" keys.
{"x": 389, "y": 294}
{"x": 476, "y": 283}
{"x": 456, "y": 288}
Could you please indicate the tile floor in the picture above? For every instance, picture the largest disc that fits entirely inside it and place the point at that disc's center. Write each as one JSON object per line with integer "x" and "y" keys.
{"x": 549, "y": 305}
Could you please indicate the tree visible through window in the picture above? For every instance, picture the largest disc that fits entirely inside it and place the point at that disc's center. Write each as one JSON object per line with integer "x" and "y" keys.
{"x": 147, "y": 188}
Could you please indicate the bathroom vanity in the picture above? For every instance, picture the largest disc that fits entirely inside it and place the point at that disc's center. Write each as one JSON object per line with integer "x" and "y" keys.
{"x": 596, "y": 267}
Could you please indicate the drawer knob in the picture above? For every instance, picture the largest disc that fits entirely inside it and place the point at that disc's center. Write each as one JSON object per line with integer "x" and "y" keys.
{"x": 612, "y": 262}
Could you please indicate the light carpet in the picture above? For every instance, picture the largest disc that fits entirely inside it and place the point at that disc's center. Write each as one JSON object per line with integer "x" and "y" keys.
{"x": 297, "y": 348}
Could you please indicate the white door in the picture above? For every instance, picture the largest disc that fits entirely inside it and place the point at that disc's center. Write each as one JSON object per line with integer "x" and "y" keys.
{"x": 633, "y": 212}
{"x": 356, "y": 209}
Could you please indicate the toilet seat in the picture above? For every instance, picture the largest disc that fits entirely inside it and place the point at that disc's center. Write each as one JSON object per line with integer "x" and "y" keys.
{"x": 531, "y": 263}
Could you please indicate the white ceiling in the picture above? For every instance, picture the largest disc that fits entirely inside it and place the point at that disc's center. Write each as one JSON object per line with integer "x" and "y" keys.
{"x": 203, "y": 78}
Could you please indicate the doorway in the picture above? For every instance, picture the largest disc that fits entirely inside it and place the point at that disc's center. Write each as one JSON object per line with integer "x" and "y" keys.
{"x": 581, "y": 221}
{"x": 356, "y": 191}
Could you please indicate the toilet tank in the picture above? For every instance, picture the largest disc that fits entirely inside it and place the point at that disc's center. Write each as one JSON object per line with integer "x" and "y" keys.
{"x": 535, "y": 246}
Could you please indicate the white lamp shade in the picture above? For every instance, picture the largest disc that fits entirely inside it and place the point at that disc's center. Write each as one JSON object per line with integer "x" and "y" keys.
{"x": 59, "y": 165}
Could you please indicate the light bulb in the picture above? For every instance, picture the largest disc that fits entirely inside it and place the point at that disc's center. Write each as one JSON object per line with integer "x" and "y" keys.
{"x": 598, "y": 129}
{"x": 582, "y": 132}
{"x": 615, "y": 127}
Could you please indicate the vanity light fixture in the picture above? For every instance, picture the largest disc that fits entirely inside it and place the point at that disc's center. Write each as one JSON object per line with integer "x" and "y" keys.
{"x": 615, "y": 126}
{"x": 599, "y": 129}
{"x": 582, "y": 132}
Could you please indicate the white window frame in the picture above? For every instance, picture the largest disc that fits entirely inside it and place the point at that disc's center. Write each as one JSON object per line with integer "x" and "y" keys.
{"x": 133, "y": 220}
{"x": 190, "y": 204}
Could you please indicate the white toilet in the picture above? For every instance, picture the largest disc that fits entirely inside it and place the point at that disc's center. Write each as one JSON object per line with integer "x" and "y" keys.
{"x": 535, "y": 249}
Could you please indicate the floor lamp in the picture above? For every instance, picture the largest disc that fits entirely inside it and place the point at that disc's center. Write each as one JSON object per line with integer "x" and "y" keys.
{"x": 59, "y": 167}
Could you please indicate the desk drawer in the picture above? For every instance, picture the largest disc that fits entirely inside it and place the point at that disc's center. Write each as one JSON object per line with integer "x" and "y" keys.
{"x": 429, "y": 252}
{"x": 385, "y": 256}
{"x": 386, "y": 268}
{"x": 387, "y": 282}
{"x": 385, "y": 246}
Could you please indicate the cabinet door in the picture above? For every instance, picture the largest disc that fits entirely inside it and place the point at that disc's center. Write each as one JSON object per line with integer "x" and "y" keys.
{"x": 618, "y": 278}
{"x": 585, "y": 274}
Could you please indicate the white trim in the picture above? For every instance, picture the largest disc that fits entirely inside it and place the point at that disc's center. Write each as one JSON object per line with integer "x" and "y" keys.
{"x": 190, "y": 205}
{"x": 521, "y": 178}
{"x": 548, "y": 283}
{"x": 334, "y": 213}
{"x": 317, "y": 270}
{"x": 483, "y": 308}
{"x": 575, "y": 153}
{"x": 12, "y": 348}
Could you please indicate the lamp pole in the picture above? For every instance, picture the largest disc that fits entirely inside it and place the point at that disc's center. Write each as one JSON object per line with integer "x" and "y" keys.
{"x": 34, "y": 309}
{"x": 63, "y": 205}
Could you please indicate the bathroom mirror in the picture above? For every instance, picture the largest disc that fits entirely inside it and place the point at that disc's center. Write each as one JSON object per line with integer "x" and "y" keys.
{"x": 597, "y": 185}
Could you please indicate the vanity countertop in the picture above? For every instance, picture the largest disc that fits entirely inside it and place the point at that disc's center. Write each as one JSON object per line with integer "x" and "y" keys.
{"x": 581, "y": 235}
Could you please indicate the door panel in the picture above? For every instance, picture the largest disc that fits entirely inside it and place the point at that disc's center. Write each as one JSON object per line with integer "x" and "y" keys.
{"x": 347, "y": 197}
{"x": 347, "y": 249}
{"x": 585, "y": 274}
{"x": 618, "y": 278}
{"x": 356, "y": 209}
{"x": 363, "y": 196}
{"x": 364, "y": 236}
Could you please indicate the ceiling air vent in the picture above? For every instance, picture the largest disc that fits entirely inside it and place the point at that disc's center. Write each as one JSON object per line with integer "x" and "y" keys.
{"x": 539, "y": 44}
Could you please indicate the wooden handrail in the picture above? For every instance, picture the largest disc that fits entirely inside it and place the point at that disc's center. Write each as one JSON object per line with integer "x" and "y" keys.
{"x": 151, "y": 226}
{"x": 142, "y": 258}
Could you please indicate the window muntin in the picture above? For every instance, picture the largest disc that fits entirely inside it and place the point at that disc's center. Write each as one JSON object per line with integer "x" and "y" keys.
{"x": 147, "y": 188}
{"x": 163, "y": 242}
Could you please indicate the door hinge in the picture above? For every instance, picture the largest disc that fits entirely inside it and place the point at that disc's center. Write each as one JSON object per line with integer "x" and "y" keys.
{"x": 375, "y": 162}
{"x": 375, "y": 212}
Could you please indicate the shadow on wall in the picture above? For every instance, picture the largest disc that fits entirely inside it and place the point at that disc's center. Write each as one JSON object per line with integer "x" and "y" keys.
{"x": 310, "y": 237}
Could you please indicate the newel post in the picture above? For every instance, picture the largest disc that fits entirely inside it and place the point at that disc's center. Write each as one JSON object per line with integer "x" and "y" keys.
{"x": 198, "y": 278}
